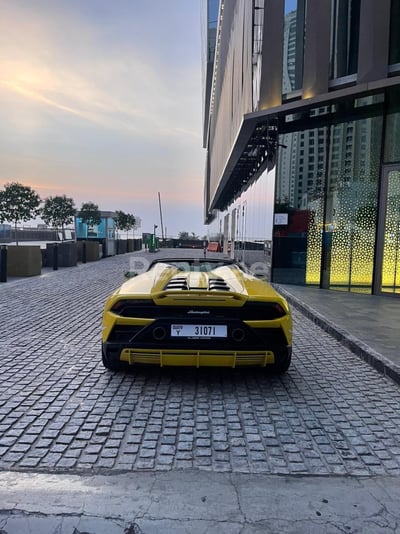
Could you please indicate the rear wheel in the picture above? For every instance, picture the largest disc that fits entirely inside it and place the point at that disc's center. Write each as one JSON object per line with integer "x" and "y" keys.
{"x": 111, "y": 360}
{"x": 283, "y": 359}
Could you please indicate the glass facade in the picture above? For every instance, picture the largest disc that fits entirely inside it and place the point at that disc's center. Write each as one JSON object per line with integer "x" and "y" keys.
{"x": 327, "y": 186}
{"x": 321, "y": 210}
{"x": 334, "y": 218}
{"x": 249, "y": 222}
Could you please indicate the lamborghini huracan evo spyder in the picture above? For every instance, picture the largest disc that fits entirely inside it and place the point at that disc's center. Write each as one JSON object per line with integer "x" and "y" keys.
{"x": 197, "y": 312}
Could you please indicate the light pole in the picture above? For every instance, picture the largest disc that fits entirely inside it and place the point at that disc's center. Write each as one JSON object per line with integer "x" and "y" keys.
{"x": 154, "y": 238}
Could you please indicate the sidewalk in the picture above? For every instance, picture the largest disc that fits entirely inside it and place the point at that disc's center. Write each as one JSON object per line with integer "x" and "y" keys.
{"x": 367, "y": 324}
{"x": 196, "y": 502}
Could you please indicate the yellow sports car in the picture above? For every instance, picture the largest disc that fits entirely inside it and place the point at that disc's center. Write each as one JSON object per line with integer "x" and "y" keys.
{"x": 197, "y": 312}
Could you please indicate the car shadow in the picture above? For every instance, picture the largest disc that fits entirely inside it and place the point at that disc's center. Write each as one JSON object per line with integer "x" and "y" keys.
{"x": 193, "y": 375}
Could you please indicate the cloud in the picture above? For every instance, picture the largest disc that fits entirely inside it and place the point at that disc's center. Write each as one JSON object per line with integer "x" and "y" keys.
{"x": 126, "y": 90}
{"x": 102, "y": 100}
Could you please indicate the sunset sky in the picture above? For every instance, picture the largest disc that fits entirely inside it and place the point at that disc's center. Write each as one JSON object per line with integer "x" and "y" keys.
{"x": 101, "y": 100}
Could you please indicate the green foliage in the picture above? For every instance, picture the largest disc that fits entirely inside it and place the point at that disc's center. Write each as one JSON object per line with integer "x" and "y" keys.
{"x": 89, "y": 213}
{"x": 131, "y": 221}
{"x": 124, "y": 221}
{"x": 58, "y": 211}
{"x": 183, "y": 236}
{"x": 187, "y": 236}
{"x": 18, "y": 203}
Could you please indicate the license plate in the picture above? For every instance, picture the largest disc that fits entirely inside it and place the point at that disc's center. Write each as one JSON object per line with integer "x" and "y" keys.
{"x": 199, "y": 330}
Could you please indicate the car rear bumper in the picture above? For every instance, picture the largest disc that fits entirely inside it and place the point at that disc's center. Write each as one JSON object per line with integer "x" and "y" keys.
{"x": 197, "y": 358}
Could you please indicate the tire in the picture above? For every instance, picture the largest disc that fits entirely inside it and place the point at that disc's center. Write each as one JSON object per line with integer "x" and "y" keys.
{"x": 112, "y": 361}
{"x": 283, "y": 359}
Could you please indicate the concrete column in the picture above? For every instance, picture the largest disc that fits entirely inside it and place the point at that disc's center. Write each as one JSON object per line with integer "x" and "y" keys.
{"x": 373, "y": 49}
{"x": 272, "y": 54}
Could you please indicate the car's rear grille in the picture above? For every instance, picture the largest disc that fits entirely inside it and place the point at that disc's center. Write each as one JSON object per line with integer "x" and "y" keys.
{"x": 198, "y": 358}
{"x": 178, "y": 282}
{"x": 250, "y": 311}
{"x": 217, "y": 284}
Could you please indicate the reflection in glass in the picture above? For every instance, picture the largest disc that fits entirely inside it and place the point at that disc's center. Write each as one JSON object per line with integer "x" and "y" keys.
{"x": 258, "y": 32}
{"x": 300, "y": 194}
{"x": 394, "y": 51}
{"x": 351, "y": 205}
{"x": 293, "y": 45}
{"x": 344, "y": 37}
{"x": 327, "y": 183}
{"x": 392, "y": 145}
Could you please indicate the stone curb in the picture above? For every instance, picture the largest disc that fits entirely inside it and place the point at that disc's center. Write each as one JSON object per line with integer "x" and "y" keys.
{"x": 358, "y": 347}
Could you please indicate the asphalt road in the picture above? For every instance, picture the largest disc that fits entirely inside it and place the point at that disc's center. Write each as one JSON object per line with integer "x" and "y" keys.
{"x": 62, "y": 412}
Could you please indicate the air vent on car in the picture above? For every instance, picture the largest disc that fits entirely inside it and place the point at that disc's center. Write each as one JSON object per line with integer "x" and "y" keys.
{"x": 217, "y": 284}
{"x": 178, "y": 282}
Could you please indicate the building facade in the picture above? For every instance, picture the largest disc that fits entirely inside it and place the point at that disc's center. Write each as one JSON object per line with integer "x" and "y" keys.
{"x": 302, "y": 138}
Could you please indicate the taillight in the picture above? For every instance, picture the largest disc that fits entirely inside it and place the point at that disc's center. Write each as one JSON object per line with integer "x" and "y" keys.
{"x": 262, "y": 311}
{"x": 131, "y": 307}
{"x": 118, "y": 306}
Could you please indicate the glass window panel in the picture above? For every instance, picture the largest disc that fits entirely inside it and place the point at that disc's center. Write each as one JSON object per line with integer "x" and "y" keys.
{"x": 293, "y": 45}
{"x": 297, "y": 244}
{"x": 351, "y": 209}
{"x": 392, "y": 144}
{"x": 392, "y": 134}
{"x": 391, "y": 247}
{"x": 344, "y": 37}
{"x": 369, "y": 100}
{"x": 258, "y": 32}
{"x": 394, "y": 50}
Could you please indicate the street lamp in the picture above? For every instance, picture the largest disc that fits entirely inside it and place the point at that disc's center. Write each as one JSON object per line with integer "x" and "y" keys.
{"x": 153, "y": 240}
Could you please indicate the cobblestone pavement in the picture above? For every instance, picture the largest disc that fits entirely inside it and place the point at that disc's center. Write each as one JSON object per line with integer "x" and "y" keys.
{"x": 60, "y": 409}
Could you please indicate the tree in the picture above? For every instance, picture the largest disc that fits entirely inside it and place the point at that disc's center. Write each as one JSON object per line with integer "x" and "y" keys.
{"x": 184, "y": 236}
{"x": 131, "y": 222}
{"x": 119, "y": 220}
{"x": 124, "y": 221}
{"x": 58, "y": 211}
{"x": 90, "y": 214}
{"x": 18, "y": 203}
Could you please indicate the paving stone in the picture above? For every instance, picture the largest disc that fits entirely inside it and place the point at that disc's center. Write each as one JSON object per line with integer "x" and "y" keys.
{"x": 331, "y": 413}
